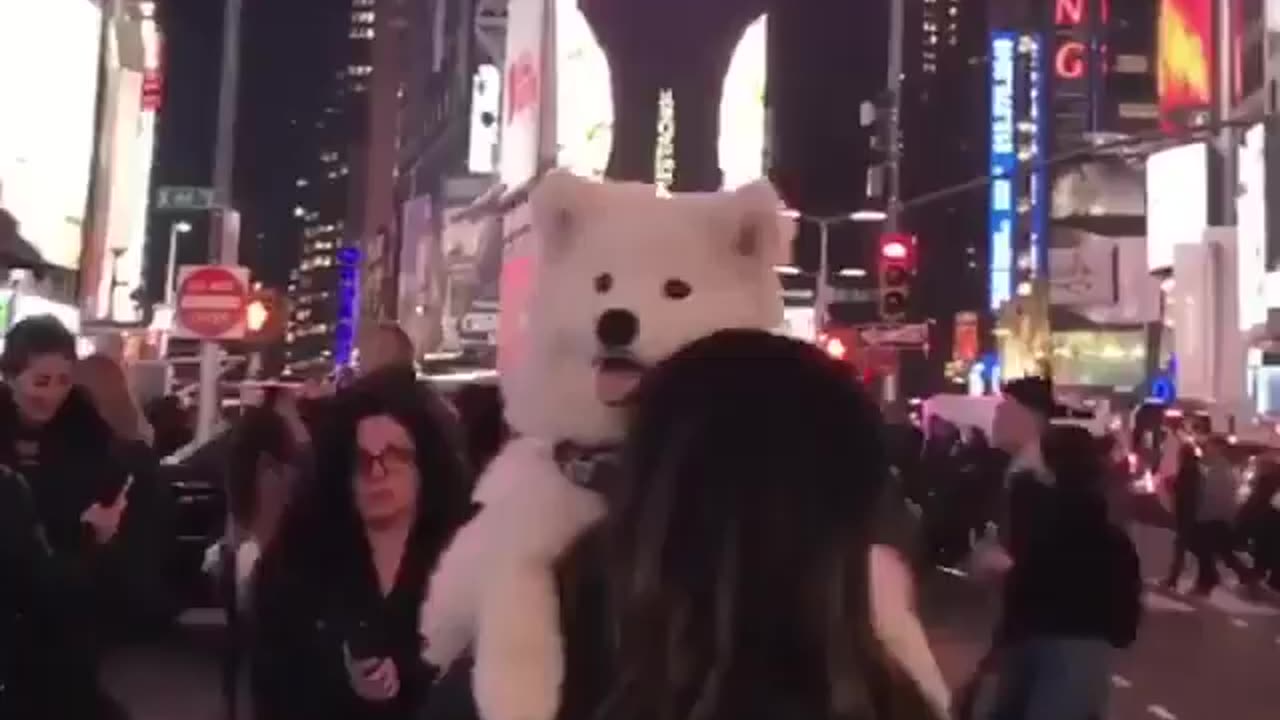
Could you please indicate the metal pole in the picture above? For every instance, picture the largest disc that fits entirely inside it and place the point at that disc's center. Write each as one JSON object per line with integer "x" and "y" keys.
{"x": 821, "y": 292}
{"x": 893, "y": 221}
{"x": 170, "y": 270}
{"x": 1223, "y": 93}
{"x": 222, "y": 245}
{"x": 894, "y": 87}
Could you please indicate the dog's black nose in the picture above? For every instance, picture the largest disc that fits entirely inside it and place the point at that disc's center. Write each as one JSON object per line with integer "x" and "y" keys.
{"x": 617, "y": 329}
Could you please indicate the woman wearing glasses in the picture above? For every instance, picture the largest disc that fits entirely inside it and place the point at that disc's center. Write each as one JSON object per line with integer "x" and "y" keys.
{"x": 338, "y": 591}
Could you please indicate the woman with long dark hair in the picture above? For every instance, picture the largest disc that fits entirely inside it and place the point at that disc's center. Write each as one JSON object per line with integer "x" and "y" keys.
{"x": 740, "y": 541}
{"x": 64, "y": 500}
{"x": 339, "y": 589}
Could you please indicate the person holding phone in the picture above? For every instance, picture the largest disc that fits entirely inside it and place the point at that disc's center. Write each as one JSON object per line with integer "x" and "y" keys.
{"x": 142, "y": 594}
{"x": 63, "y": 504}
{"x": 338, "y": 590}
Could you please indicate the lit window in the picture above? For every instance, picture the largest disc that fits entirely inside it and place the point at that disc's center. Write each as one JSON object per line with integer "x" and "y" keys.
{"x": 365, "y": 17}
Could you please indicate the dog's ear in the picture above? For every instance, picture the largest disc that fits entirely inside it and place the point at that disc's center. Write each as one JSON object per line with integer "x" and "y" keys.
{"x": 557, "y": 204}
{"x": 760, "y": 234}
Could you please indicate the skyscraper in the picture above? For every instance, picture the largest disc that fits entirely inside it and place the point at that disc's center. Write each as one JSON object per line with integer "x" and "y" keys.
{"x": 332, "y": 192}
{"x": 943, "y": 144}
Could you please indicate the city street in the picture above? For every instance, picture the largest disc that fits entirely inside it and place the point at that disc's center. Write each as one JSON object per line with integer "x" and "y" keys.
{"x": 1195, "y": 659}
{"x": 1210, "y": 659}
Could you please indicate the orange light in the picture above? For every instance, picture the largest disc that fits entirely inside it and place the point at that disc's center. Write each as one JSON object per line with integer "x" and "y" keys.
{"x": 1183, "y": 74}
{"x": 255, "y": 316}
{"x": 836, "y": 348}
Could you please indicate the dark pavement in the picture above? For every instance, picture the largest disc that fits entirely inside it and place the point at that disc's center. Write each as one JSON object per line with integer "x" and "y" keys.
{"x": 1211, "y": 659}
{"x": 1196, "y": 659}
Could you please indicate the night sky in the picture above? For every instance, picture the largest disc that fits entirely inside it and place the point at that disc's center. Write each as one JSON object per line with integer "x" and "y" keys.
{"x": 287, "y": 47}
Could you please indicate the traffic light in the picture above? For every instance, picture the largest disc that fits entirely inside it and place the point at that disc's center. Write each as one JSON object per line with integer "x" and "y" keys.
{"x": 834, "y": 346}
{"x": 265, "y": 317}
{"x": 896, "y": 262}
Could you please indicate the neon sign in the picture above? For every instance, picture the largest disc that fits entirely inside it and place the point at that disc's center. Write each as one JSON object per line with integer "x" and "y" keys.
{"x": 1077, "y": 33}
{"x": 1183, "y": 73}
{"x": 1035, "y": 148}
{"x": 345, "y": 333}
{"x": 1004, "y": 162}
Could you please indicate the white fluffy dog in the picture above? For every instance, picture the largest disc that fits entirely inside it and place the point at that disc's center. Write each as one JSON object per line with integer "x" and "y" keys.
{"x": 622, "y": 279}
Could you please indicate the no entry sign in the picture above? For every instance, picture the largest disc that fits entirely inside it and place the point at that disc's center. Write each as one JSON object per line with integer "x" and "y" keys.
{"x": 211, "y": 302}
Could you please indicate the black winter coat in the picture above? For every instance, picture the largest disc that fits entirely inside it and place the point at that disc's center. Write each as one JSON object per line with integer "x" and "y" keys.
{"x": 59, "y": 588}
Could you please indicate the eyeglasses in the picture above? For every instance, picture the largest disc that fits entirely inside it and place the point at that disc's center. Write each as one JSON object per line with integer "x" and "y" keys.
{"x": 392, "y": 458}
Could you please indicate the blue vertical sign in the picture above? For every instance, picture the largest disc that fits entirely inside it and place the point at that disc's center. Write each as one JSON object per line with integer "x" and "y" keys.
{"x": 1004, "y": 163}
{"x": 1038, "y": 109}
{"x": 345, "y": 333}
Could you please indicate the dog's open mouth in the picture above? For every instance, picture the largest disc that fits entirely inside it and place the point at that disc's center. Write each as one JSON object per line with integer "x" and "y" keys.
{"x": 617, "y": 376}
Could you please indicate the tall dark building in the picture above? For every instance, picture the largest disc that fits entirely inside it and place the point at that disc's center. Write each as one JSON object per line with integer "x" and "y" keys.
{"x": 328, "y": 209}
{"x": 944, "y": 143}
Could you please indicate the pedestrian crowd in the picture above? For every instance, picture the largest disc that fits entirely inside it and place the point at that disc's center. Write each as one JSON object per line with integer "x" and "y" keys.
{"x": 756, "y": 492}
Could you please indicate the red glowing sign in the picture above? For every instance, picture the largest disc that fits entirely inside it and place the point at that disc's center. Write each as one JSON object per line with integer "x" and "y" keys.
{"x": 522, "y": 85}
{"x": 1071, "y": 57}
{"x": 515, "y": 288}
{"x": 152, "y": 90}
{"x": 1184, "y": 72}
{"x": 1074, "y": 13}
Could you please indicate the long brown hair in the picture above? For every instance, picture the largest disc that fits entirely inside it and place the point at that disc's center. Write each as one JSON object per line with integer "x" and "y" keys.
{"x": 740, "y": 531}
{"x": 104, "y": 383}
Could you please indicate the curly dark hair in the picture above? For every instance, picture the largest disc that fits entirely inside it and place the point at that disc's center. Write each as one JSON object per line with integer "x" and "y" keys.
{"x": 322, "y": 528}
{"x": 740, "y": 532}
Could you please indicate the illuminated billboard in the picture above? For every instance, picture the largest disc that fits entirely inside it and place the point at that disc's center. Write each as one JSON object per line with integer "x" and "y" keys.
{"x": 49, "y": 52}
{"x": 1078, "y": 63}
{"x": 1184, "y": 69}
{"x": 1251, "y": 230}
{"x": 1177, "y": 201}
{"x": 584, "y": 101}
{"x": 1004, "y": 163}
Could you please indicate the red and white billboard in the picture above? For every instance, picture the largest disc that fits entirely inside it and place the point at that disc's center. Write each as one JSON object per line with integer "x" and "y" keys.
{"x": 1184, "y": 72}
{"x": 524, "y": 92}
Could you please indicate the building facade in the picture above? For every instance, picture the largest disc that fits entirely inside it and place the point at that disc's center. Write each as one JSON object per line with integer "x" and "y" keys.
{"x": 334, "y": 205}
{"x": 944, "y": 118}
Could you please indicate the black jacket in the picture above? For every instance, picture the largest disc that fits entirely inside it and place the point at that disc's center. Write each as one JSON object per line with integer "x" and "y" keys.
{"x": 1075, "y": 574}
{"x": 58, "y": 586}
{"x": 303, "y": 620}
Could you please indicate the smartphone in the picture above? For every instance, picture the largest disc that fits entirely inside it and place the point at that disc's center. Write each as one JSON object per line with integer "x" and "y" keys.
{"x": 363, "y": 642}
{"x": 116, "y": 489}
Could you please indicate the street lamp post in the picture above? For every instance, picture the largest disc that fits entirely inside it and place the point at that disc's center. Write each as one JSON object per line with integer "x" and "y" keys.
{"x": 171, "y": 269}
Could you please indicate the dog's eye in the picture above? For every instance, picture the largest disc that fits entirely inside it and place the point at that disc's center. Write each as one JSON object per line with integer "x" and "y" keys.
{"x": 604, "y": 283}
{"x": 677, "y": 289}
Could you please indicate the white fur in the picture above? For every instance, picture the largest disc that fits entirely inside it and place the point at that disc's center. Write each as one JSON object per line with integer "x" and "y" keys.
{"x": 585, "y": 229}
{"x": 530, "y": 516}
{"x": 494, "y": 591}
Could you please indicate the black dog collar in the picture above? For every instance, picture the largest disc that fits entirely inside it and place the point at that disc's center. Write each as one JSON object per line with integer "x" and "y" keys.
{"x": 590, "y": 467}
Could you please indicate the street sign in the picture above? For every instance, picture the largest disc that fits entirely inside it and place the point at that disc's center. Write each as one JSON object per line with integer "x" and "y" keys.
{"x": 179, "y": 198}
{"x": 909, "y": 335}
{"x": 852, "y": 295}
{"x": 211, "y": 302}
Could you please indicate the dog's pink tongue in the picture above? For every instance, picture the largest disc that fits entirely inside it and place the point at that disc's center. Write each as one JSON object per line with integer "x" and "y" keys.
{"x": 615, "y": 386}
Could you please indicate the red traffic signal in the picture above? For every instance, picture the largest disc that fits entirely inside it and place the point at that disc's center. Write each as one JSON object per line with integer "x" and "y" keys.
{"x": 897, "y": 271}
{"x": 894, "y": 249}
